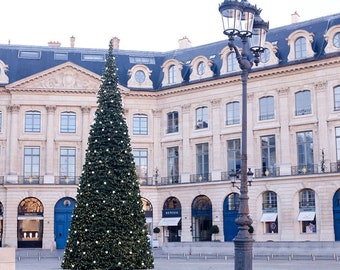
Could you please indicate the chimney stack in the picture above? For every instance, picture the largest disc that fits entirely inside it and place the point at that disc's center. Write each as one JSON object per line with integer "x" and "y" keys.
{"x": 295, "y": 17}
{"x": 115, "y": 43}
{"x": 72, "y": 41}
{"x": 184, "y": 43}
{"x": 54, "y": 44}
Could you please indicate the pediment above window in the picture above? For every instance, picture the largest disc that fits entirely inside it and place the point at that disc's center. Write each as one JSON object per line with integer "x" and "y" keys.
{"x": 67, "y": 77}
{"x": 293, "y": 37}
{"x": 201, "y": 68}
{"x": 140, "y": 77}
{"x": 333, "y": 39}
{"x": 172, "y": 70}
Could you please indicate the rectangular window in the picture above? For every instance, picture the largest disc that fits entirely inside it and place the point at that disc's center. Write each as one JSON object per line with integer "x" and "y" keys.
{"x": 32, "y": 121}
{"x": 141, "y": 163}
{"x": 173, "y": 168}
{"x": 233, "y": 113}
{"x": 337, "y": 139}
{"x": 307, "y": 211}
{"x": 31, "y": 164}
{"x": 172, "y": 122}
{"x": 267, "y": 108}
{"x": 29, "y": 54}
{"x": 93, "y": 57}
{"x": 305, "y": 151}
{"x": 268, "y": 150}
{"x": 0, "y": 121}
{"x": 67, "y": 122}
{"x": 231, "y": 62}
{"x": 201, "y": 117}
{"x": 337, "y": 98}
{"x": 67, "y": 164}
{"x": 234, "y": 155}
{"x": 202, "y": 161}
{"x": 140, "y": 124}
{"x": 60, "y": 56}
{"x": 303, "y": 103}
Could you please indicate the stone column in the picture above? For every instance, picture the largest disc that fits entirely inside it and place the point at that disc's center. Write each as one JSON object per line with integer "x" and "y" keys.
{"x": 187, "y": 155}
{"x": 215, "y": 124}
{"x": 49, "y": 153}
{"x": 85, "y": 127}
{"x": 12, "y": 151}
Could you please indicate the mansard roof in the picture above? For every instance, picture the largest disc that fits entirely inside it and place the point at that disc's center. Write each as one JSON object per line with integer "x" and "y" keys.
{"x": 25, "y": 61}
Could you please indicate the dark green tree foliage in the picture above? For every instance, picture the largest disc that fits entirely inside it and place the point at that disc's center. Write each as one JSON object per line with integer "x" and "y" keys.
{"x": 108, "y": 226}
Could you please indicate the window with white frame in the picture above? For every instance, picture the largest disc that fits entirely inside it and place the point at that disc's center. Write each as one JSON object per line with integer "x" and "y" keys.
{"x": 232, "y": 63}
{"x": 233, "y": 113}
{"x": 68, "y": 164}
{"x": 305, "y": 155}
{"x": 267, "y": 108}
{"x": 140, "y": 124}
{"x": 32, "y": 121}
{"x": 172, "y": 74}
{"x": 173, "y": 164}
{"x": 31, "y": 164}
{"x": 202, "y": 162}
{"x": 201, "y": 117}
{"x": 303, "y": 104}
{"x": 300, "y": 48}
{"x": 336, "y": 93}
{"x": 172, "y": 122}
{"x": 268, "y": 153}
{"x": 234, "y": 155}
{"x": 141, "y": 163}
{"x": 68, "y": 122}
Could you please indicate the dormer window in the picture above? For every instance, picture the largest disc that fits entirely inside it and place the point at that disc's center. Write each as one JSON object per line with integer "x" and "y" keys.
{"x": 232, "y": 62}
{"x": 300, "y": 48}
{"x": 300, "y": 43}
{"x": 140, "y": 76}
{"x": 201, "y": 68}
{"x": 172, "y": 72}
{"x": 333, "y": 39}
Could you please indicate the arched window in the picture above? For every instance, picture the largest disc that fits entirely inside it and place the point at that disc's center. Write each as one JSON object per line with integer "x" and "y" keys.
{"x": 267, "y": 108}
{"x": 303, "y": 104}
{"x": 30, "y": 223}
{"x": 306, "y": 216}
{"x": 231, "y": 62}
{"x": 201, "y": 218}
{"x": 269, "y": 212}
{"x": 336, "y": 93}
{"x": 201, "y": 117}
{"x": 300, "y": 48}
{"x": 172, "y": 74}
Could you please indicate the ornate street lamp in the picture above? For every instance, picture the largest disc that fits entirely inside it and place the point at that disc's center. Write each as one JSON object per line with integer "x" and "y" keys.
{"x": 241, "y": 19}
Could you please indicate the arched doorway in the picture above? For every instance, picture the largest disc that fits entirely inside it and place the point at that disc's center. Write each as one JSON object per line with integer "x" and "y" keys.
{"x": 63, "y": 210}
{"x": 201, "y": 210}
{"x": 171, "y": 219}
{"x": 336, "y": 215}
{"x": 30, "y": 223}
{"x": 230, "y": 210}
{"x": 147, "y": 208}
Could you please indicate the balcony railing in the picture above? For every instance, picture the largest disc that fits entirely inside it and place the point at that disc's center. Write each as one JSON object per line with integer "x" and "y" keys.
{"x": 198, "y": 178}
{"x": 146, "y": 181}
{"x": 170, "y": 180}
{"x": 304, "y": 169}
{"x": 30, "y": 180}
{"x": 66, "y": 180}
{"x": 267, "y": 172}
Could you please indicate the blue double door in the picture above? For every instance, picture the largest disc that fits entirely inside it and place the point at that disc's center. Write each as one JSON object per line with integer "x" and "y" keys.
{"x": 62, "y": 219}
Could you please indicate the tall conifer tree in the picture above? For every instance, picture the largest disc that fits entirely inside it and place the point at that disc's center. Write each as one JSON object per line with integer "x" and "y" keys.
{"x": 108, "y": 228}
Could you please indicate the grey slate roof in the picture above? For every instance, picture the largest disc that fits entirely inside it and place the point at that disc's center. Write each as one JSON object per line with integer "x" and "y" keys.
{"x": 20, "y": 68}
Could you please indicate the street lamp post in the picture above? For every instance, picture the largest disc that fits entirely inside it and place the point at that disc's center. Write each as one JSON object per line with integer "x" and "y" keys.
{"x": 241, "y": 19}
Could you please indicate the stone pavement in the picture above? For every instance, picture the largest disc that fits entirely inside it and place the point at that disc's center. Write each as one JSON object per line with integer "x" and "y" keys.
{"x": 165, "y": 262}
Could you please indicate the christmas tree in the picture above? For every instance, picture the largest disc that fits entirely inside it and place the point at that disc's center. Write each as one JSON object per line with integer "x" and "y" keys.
{"x": 108, "y": 228}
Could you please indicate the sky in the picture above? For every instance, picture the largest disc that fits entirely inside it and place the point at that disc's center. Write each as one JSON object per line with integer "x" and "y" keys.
{"x": 149, "y": 25}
